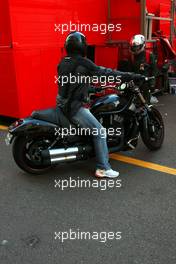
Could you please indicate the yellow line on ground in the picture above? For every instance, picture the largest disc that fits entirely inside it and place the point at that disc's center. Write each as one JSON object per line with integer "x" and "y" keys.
{"x": 144, "y": 164}
{"x": 3, "y": 127}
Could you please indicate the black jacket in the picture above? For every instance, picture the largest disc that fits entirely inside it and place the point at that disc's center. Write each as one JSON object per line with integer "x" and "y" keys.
{"x": 72, "y": 94}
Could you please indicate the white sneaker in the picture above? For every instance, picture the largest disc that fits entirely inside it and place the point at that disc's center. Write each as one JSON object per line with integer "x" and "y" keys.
{"x": 106, "y": 173}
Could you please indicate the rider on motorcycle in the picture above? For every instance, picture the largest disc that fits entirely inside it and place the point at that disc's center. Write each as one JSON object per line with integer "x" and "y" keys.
{"x": 72, "y": 96}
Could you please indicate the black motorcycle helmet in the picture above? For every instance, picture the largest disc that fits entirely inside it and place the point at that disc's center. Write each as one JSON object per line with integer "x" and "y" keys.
{"x": 76, "y": 44}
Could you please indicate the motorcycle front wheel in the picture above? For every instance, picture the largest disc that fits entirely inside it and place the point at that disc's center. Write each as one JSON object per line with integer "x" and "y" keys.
{"x": 152, "y": 131}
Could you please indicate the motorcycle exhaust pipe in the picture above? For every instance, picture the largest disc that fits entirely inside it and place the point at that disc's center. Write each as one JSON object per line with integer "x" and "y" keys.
{"x": 61, "y": 151}
{"x": 55, "y": 156}
{"x": 60, "y": 155}
{"x": 62, "y": 159}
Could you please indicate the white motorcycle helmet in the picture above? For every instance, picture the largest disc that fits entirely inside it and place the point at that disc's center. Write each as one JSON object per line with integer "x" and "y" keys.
{"x": 137, "y": 44}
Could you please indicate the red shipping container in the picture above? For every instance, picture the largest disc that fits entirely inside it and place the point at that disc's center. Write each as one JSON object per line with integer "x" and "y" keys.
{"x": 31, "y": 47}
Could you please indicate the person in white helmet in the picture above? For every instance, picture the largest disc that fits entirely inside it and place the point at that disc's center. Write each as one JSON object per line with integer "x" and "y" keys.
{"x": 143, "y": 62}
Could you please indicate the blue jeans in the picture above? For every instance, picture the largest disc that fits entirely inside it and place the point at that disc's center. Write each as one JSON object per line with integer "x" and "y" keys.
{"x": 86, "y": 120}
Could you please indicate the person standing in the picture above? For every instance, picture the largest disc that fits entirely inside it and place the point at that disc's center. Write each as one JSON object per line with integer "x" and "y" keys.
{"x": 145, "y": 63}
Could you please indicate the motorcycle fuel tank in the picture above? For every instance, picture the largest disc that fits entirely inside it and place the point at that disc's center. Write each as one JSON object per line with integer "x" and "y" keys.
{"x": 107, "y": 103}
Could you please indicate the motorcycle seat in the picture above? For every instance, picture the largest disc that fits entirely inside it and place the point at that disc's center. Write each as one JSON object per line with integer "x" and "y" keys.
{"x": 52, "y": 115}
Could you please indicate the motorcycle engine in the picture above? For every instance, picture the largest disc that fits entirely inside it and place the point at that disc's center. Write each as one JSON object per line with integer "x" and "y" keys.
{"x": 114, "y": 128}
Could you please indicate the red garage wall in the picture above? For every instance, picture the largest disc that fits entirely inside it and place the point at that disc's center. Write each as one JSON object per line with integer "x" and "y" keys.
{"x": 154, "y": 6}
{"x": 8, "y": 93}
{"x": 37, "y": 48}
{"x": 33, "y": 20}
{"x": 5, "y": 33}
{"x": 27, "y": 70}
{"x": 160, "y": 8}
{"x": 128, "y": 14}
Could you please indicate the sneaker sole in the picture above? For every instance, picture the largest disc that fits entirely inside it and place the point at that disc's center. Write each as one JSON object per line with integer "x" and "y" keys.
{"x": 98, "y": 176}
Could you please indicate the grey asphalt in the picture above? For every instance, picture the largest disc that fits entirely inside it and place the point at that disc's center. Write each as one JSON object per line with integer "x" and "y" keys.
{"x": 143, "y": 209}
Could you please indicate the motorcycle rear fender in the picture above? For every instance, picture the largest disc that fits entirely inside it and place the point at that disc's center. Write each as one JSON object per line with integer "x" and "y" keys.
{"x": 31, "y": 126}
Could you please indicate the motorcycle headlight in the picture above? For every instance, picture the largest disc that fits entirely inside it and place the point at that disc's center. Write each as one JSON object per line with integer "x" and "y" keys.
{"x": 123, "y": 86}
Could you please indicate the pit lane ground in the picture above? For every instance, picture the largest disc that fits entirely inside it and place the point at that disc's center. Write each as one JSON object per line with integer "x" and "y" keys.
{"x": 143, "y": 209}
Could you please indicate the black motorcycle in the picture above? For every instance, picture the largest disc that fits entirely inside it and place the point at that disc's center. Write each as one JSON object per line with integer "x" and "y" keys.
{"x": 39, "y": 142}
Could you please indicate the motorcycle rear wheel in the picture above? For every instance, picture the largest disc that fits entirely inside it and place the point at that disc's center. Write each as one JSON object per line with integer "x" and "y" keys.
{"x": 26, "y": 153}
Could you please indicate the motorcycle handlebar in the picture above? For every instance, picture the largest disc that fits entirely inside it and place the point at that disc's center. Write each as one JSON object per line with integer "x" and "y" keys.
{"x": 147, "y": 79}
{"x": 129, "y": 84}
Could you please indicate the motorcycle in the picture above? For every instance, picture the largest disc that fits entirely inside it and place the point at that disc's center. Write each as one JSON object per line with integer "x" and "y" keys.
{"x": 37, "y": 144}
